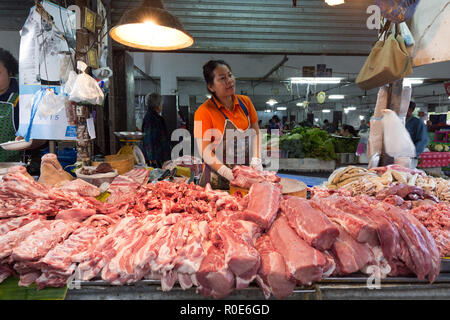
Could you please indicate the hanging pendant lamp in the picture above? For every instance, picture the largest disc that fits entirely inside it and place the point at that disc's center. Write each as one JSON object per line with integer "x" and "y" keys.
{"x": 151, "y": 27}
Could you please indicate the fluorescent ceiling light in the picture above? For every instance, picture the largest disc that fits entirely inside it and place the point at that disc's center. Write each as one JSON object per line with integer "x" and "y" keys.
{"x": 271, "y": 102}
{"x": 281, "y": 108}
{"x": 316, "y": 119}
{"x": 361, "y": 117}
{"x": 334, "y": 2}
{"x": 336, "y": 96}
{"x": 407, "y": 82}
{"x": 326, "y": 110}
{"x": 318, "y": 80}
{"x": 300, "y": 104}
{"x": 349, "y": 109}
{"x": 267, "y": 110}
{"x": 345, "y": 110}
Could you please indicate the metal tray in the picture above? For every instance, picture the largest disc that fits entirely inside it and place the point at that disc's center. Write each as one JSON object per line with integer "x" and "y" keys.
{"x": 445, "y": 265}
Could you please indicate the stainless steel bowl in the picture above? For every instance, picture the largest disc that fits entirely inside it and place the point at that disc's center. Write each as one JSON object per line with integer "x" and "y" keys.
{"x": 129, "y": 135}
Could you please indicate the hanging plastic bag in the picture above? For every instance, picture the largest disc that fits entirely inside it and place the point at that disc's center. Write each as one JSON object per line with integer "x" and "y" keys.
{"x": 50, "y": 104}
{"x": 396, "y": 139}
{"x": 406, "y": 34}
{"x": 68, "y": 86}
{"x": 85, "y": 88}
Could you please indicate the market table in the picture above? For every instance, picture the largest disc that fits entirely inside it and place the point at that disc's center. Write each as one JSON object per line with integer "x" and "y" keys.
{"x": 332, "y": 288}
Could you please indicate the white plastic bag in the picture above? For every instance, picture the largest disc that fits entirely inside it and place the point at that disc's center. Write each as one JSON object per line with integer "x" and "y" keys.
{"x": 396, "y": 139}
{"x": 68, "y": 86}
{"x": 85, "y": 88}
{"x": 406, "y": 34}
{"x": 50, "y": 104}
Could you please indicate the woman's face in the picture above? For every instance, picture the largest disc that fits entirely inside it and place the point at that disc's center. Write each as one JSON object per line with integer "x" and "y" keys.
{"x": 224, "y": 81}
{"x": 4, "y": 78}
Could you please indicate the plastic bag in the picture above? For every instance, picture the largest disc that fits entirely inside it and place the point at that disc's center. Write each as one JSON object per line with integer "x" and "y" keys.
{"x": 85, "y": 88}
{"x": 396, "y": 139}
{"x": 50, "y": 104}
{"x": 68, "y": 86}
{"x": 406, "y": 34}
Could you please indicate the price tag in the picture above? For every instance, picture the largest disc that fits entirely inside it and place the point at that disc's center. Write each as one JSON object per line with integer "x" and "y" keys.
{"x": 90, "y": 127}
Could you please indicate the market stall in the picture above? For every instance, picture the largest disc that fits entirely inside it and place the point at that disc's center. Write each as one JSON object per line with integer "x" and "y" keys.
{"x": 160, "y": 238}
{"x": 105, "y": 225}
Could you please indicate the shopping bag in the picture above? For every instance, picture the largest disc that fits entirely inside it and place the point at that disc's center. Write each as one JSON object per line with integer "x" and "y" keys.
{"x": 387, "y": 62}
{"x": 397, "y": 10}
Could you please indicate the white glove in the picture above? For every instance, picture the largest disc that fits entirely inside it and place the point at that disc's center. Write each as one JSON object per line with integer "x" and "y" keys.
{"x": 256, "y": 164}
{"x": 226, "y": 172}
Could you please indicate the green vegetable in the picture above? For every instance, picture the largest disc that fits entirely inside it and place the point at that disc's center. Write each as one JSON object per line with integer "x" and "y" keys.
{"x": 308, "y": 143}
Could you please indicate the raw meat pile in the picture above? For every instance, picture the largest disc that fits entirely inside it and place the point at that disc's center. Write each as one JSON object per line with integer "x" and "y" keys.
{"x": 436, "y": 218}
{"x": 245, "y": 177}
{"x": 205, "y": 238}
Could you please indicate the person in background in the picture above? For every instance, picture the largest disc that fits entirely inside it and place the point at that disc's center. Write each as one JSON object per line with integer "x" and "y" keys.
{"x": 363, "y": 125}
{"x": 260, "y": 125}
{"x": 221, "y": 119}
{"x": 348, "y": 131}
{"x": 9, "y": 104}
{"x": 418, "y": 132}
{"x": 156, "y": 140}
{"x": 275, "y": 123}
{"x": 328, "y": 127}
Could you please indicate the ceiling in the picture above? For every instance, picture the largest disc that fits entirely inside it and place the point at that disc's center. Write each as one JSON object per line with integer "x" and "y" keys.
{"x": 270, "y": 26}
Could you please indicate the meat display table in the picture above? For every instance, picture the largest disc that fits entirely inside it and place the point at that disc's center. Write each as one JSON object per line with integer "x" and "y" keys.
{"x": 333, "y": 288}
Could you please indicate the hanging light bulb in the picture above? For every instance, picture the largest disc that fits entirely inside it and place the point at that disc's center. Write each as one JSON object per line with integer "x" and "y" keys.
{"x": 271, "y": 102}
{"x": 151, "y": 27}
{"x": 334, "y": 2}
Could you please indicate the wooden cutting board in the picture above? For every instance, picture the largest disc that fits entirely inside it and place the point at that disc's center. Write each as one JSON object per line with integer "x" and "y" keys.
{"x": 291, "y": 187}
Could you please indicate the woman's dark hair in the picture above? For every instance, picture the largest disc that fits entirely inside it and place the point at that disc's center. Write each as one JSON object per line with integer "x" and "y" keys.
{"x": 153, "y": 101}
{"x": 9, "y": 62}
{"x": 275, "y": 118}
{"x": 208, "y": 71}
{"x": 350, "y": 129}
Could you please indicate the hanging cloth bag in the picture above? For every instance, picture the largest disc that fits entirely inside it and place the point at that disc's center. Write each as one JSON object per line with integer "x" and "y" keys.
{"x": 387, "y": 62}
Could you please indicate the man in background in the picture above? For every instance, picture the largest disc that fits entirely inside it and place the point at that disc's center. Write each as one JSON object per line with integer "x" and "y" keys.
{"x": 418, "y": 132}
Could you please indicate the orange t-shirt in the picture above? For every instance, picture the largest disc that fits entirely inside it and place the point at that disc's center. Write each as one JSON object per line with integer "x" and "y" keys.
{"x": 208, "y": 116}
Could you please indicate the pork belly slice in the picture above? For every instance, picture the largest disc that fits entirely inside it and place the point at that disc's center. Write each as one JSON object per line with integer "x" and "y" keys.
{"x": 304, "y": 263}
{"x": 10, "y": 224}
{"x": 310, "y": 224}
{"x": 36, "y": 245}
{"x": 263, "y": 205}
{"x": 9, "y": 241}
{"x": 76, "y": 214}
{"x": 273, "y": 276}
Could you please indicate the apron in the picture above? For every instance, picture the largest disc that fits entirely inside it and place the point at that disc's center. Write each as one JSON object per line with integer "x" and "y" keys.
{"x": 238, "y": 153}
{"x": 8, "y": 131}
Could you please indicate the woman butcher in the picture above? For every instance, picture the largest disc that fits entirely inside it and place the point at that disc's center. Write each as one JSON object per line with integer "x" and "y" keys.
{"x": 225, "y": 128}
